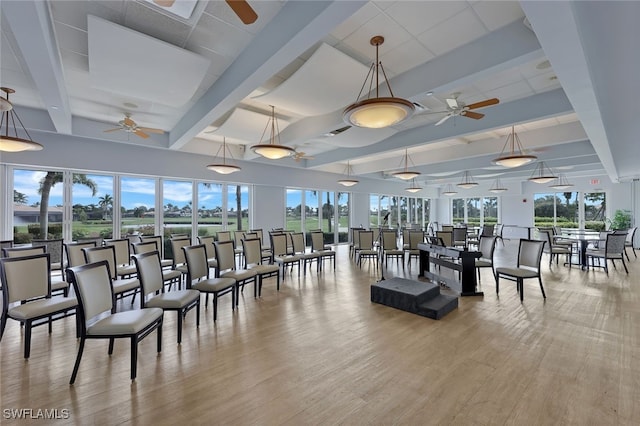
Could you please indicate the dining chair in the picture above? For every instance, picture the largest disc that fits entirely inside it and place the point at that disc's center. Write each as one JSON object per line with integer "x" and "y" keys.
{"x": 390, "y": 247}
{"x": 300, "y": 249}
{"x": 26, "y": 295}
{"x": 58, "y": 283}
{"x": 169, "y": 277}
{"x": 227, "y": 268}
{"x": 281, "y": 255}
{"x": 415, "y": 237}
{"x": 486, "y": 246}
{"x": 208, "y": 241}
{"x": 152, "y": 281}
{"x": 122, "y": 287}
{"x": 253, "y": 261}
{"x": 98, "y": 318}
{"x": 179, "y": 261}
{"x": 614, "y": 249}
{"x": 528, "y": 266}
{"x": 554, "y": 250}
{"x": 166, "y": 263}
{"x": 631, "y": 234}
{"x": 198, "y": 278}
{"x": 124, "y": 267}
{"x": 55, "y": 250}
{"x": 317, "y": 246}
{"x": 75, "y": 255}
{"x": 367, "y": 251}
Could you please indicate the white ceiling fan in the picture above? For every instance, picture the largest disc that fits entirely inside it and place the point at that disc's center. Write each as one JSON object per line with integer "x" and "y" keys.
{"x": 130, "y": 126}
{"x": 241, "y": 8}
{"x": 457, "y": 108}
{"x": 301, "y": 155}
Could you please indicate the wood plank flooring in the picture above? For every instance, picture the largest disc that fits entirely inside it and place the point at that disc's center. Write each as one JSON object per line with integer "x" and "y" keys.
{"x": 319, "y": 352}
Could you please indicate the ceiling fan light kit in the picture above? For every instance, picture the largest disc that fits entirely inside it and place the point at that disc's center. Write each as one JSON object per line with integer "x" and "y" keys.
{"x": 128, "y": 125}
{"x": 406, "y": 174}
{"x": 561, "y": 183}
{"x": 542, "y": 174}
{"x": 348, "y": 181}
{"x": 272, "y": 150}
{"x": 223, "y": 168}
{"x": 467, "y": 181}
{"x": 14, "y": 143}
{"x": 377, "y": 112}
{"x": 512, "y": 154}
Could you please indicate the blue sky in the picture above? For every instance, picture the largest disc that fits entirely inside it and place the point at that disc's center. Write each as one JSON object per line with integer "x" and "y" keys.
{"x": 135, "y": 191}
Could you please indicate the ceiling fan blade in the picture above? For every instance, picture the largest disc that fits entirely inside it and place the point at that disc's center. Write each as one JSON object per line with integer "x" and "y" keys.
{"x": 244, "y": 11}
{"x": 151, "y": 130}
{"x": 484, "y": 103}
{"x": 452, "y": 102}
{"x": 443, "y": 119}
{"x": 129, "y": 122}
{"x": 474, "y": 115}
{"x": 112, "y": 130}
{"x": 142, "y": 134}
{"x": 164, "y": 3}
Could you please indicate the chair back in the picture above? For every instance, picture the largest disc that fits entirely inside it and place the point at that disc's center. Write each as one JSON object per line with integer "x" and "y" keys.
{"x": 487, "y": 246}
{"x": 631, "y": 233}
{"x": 208, "y": 241}
{"x": 123, "y": 253}
{"x": 487, "y": 230}
{"x": 224, "y": 236}
{"x": 376, "y": 233}
{"x": 435, "y": 241}
{"x": 530, "y": 254}
{"x": 75, "y": 255}
{"x": 252, "y": 251}
{"x": 146, "y": 247}
{"x": 279, "y": 244}
{"x": 260, "y": 234}
{"x": 415, "y": 238}
{"x": 26, "y": 277}
{"x": 615, "y": 244}
{"x": 149, "y": 273}
{"x": 446, "y": 236}
{"x": 98, "y": 240}
{"x": 459, "y": 235}
{"x": 54, "y": 248}
{"x": 498, "y": 229}
{"x": 546, "y": 237}
{"x": 157, "y": 239}
{"x": 237, "y": 239}
{"x": 6, "y": 244}
{"x": 94, "y": 290}
{"x": 405, "y": 236}
{"x": 447, "y": 228}
{"x": 176, "y": 247}
{"x": 366, "y": 240}
{"x": 297, "y": 239}
{"x": 179, "y": 235}
{"x": 353, "y": 232}
{"x": 389, "y": 240}
{"x": 557, "y": 230}
{"x": 23, "y": 251}
{"x": 317, "y": 241}
{"x": 197, "y": 265}
{"x": 225, "y": 255}
{"x": 98, "y": 254}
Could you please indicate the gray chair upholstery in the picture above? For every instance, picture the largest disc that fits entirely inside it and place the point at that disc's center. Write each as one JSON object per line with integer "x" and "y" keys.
{"x": 486, "y": 246}
{"x": 152, "y": 281}
{"x": 528, "y": 266}
{"x": 317, "y": 246}
{"x": 170, "y": 277}
{"x": 300, "y": 249}
{"x": 367, "y": 251}
{"x": 225, "y": 254}
{"x": 252, "y": 249}
{"x": 166, "y": 263}
{"x": 26, "y": 295}
{"x": 122, "y": 287}
{"x": 631, "y": 234}
{"x": 390, "y": 247}
{"x": 98, "y": 318}
{"x": 614, "y": 249}
{"x": 124, "y": 267}
{"x": 58, "y": 284}
{"x": 554, "y": 250}
{"x": 281, "y": 254}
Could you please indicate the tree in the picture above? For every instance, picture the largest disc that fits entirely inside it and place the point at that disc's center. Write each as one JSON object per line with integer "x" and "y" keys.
{"x": 19, "y": 197}
{"x": 239, "y": 207}
{"x": 46, "y": 183}
{"x": 105, "y": 203}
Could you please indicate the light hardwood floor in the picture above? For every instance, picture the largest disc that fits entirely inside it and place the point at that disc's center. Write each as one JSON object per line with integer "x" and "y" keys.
{"x": 319, "y": 352}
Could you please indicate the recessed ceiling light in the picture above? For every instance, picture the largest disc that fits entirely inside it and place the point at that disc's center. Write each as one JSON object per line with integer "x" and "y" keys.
{"x": 543, "y": 65}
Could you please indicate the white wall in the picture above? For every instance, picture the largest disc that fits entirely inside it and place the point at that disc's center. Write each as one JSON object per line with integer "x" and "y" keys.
{"x": 268, "y": 207}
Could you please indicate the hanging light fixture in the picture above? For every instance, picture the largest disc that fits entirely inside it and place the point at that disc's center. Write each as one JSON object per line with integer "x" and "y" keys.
{"x": 406, "y": 174}
{"x": 9, "y": 115}
{"x": 272, "y": 150}
{"x": 542, "y": 174}
{"x": 414, "y": 187}
{"x": 561, "y": 183}
{"x": 377, "y": 112}
{"x": 467, "y": 181}
{"x": 513, "y": 154}
{"x": 223, "y": 168}
{"x": 448, "y": 190}
{"x": 497, "y": 187}
{"x": 348, "y": 181}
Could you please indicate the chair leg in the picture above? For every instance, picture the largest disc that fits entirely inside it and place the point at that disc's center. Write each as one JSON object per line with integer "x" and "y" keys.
{"x": 179, "y": 326}
{"x": 626, "y": 254}
{"x": 134, "y": 356}
{"x": 520, "y": 284}
{"x": 159, "y": 338}
{"x": 214, "y": 302}
{"x": 77, "y": 363}
{"x": 27, "y": 339}
{"x": 497, "y": 283}
{"x": 111, "y": 340}
{"x": 544, "y": 296}
{"x": 625, "y": 266}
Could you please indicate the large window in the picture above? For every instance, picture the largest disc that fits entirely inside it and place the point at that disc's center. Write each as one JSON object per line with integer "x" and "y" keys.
{"x": 312, "y": 211}
{"x": 594, "y": 210}
{"x": 93, "y": 206}
{"x": 238, "y": 207}
{"x": 374, "y": 211}
{"x": 137, "y": 200}
{"x": 210, "y": 208}
{"x": 457, "y": 210}
{"x": 473, "y": 212}
{"x": 490, "y": 210}
{"x": 177, "y": 208}
{"x": 343, "y": 217}
{"x": 37, "y": 203}
{"x": 294, "y": 210}
{"x": 560, "y": 208}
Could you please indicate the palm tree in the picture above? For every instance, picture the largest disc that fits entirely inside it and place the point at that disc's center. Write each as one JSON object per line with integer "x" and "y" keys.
{"x": 105, "y": 202}
{"x": 19, "y": 197}
{"x": 46, "y": 183}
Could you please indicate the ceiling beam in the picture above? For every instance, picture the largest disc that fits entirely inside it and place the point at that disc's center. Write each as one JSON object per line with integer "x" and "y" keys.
{"x": 298, "y": 26}
{"x": 32, "y": 29}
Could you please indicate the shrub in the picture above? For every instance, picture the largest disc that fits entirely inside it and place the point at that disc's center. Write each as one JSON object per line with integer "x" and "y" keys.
{"x": 22, "y": 238}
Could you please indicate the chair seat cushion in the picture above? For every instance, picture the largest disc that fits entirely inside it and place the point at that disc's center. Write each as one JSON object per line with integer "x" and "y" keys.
{"x": 182, "y": 268}
{"x": 560, "y": 250}
{"x": 173, "y": 299}
{"x": 287, "y": 259}
{"x": 214, "y": 285}
{"x": 213, "y": 263}
{"x": 265, "y": 269}
{"x": 56, "y": 265}
{"x": 59, "y": 285}
{"x": 42, "y": 307}
{"x": 369, "y": 252}
{"x": 124, "y": 323}
{"x": 120, "y": 286}
{"x": 327, "y": 253}
{"x": 394, "y": 252}
{"x": 240, "y": 274}
{"x": 126, "y": 269}
{"x": 483, "y": 263}
{"x": 312, "y": 255}
{"x": 517, "y": 272}
{"x": 166, "y": 263}
{"x": 171, "y": 275}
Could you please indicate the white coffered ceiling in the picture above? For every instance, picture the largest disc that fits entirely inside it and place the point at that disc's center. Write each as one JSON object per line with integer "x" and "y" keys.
{"x": 564, "y": 73}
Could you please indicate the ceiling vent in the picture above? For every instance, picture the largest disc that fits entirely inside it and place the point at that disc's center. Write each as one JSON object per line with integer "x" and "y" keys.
{"x": 336, "y": 132}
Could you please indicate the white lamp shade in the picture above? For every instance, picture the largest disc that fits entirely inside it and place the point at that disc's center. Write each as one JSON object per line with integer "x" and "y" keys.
{"x": 377, "y": 113}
